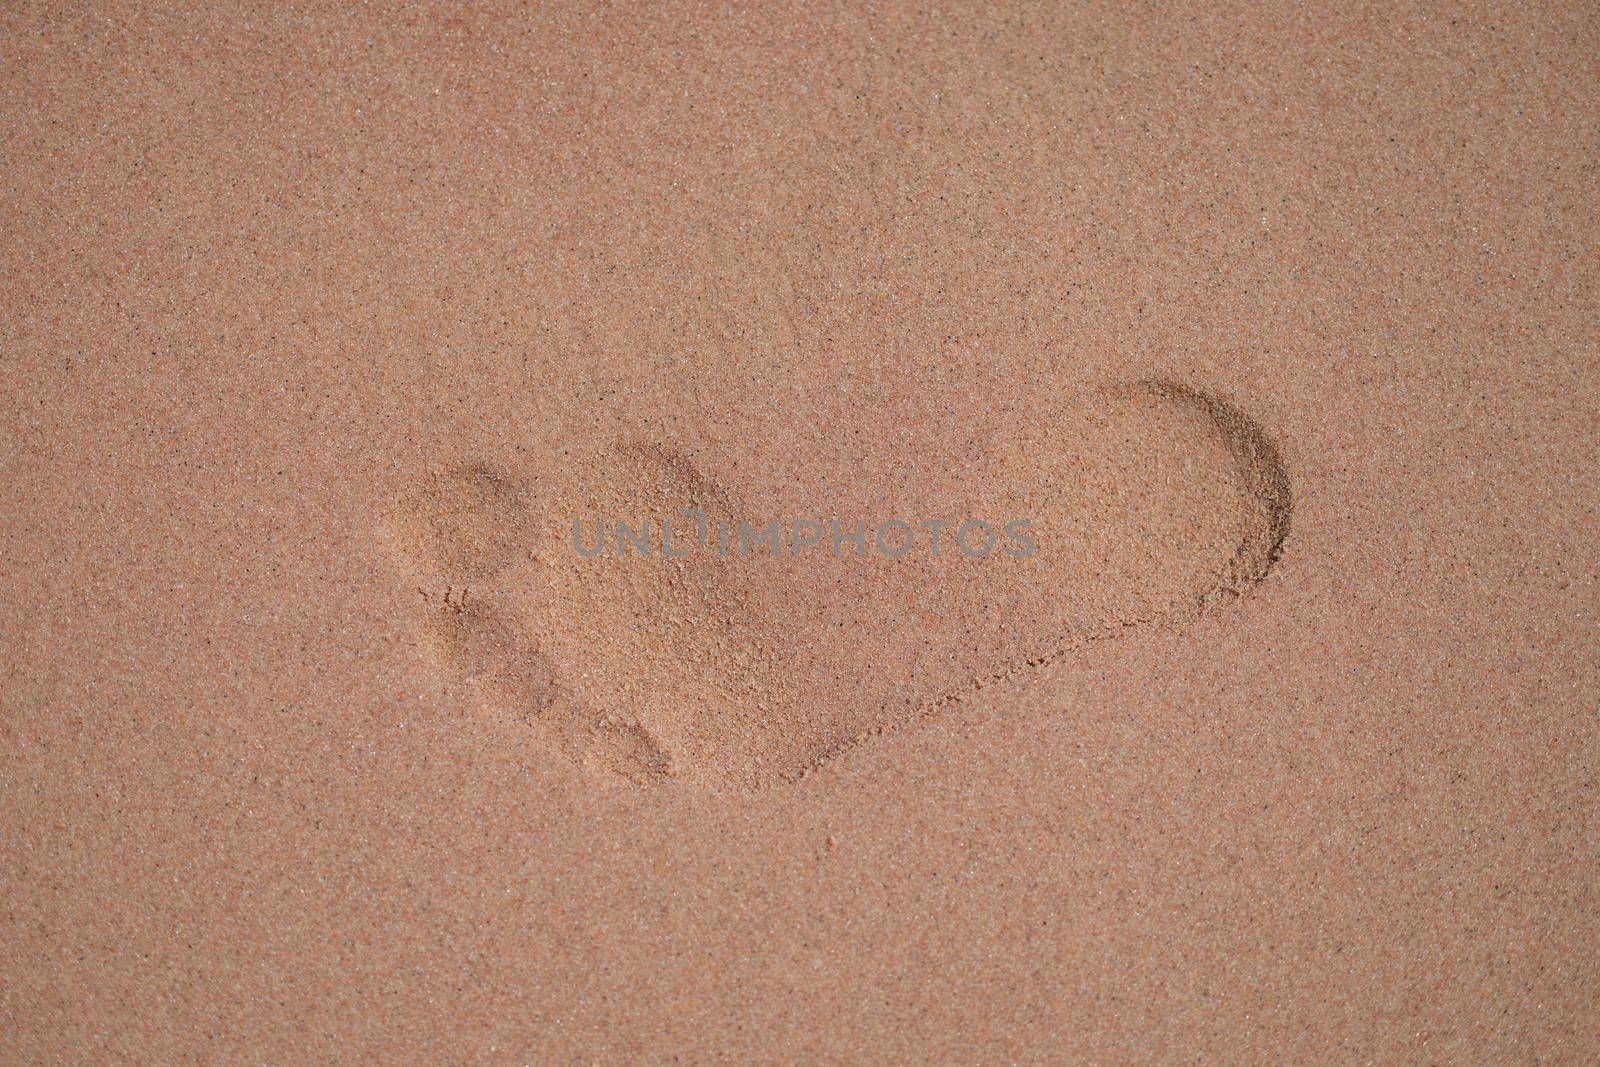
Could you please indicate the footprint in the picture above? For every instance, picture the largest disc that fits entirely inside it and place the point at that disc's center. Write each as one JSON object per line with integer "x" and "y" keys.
{"x": 468, "y": 522}
{"x": 1150, "y": 503}
{"x": 464, "y": 529}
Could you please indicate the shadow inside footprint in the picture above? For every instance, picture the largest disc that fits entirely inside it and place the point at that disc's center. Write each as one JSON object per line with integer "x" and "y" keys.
{"x": 670, "y": 656}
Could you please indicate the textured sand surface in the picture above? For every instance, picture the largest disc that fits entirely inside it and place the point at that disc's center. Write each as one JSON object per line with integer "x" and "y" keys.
{"x": 318, "y": 328}
{"x": 696, "y": 649}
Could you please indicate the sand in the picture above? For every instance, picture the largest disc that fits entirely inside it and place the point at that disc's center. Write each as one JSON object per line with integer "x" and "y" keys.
{"x": 677, "y": 640}
{"x": 320, "y": 739}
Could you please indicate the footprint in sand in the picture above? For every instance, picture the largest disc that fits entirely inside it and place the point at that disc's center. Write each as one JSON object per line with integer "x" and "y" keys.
{"x": 466, "y": 530}
{"x": 1150, "y": 503}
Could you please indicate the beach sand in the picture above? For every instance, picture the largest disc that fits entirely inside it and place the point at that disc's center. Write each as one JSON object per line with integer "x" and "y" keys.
{"x": 1272, "y": 738}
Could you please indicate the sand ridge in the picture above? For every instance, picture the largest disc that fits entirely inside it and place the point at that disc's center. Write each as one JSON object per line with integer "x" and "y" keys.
{"x": 679, "y": 656}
